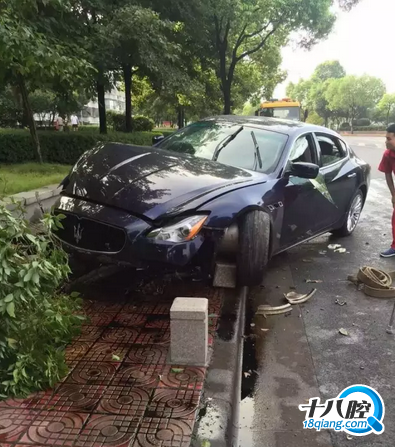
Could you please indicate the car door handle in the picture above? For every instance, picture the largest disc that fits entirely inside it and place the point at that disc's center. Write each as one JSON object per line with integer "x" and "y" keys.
{"x": 352, "y": 175}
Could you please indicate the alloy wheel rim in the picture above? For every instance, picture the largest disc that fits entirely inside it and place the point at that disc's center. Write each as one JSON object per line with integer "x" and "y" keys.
{"x": 354, "y": 213}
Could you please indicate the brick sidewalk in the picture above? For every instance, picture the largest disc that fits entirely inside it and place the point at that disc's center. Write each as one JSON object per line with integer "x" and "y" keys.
{"x": 119, "y": 391}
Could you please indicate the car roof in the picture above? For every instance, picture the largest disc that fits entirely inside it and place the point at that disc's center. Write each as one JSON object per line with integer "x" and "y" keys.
{"x": 286, "y": 127}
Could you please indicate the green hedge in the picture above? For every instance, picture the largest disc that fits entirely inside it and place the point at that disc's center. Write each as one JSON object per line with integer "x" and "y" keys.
{"x": 63, "y": 148}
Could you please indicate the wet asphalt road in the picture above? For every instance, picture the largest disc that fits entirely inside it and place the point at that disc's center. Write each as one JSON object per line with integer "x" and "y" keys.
{"x": 303, "y": 355}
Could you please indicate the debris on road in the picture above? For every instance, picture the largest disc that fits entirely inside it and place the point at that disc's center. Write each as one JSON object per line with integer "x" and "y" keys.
{"x": 270, "y": 310}
{"x": 340, "y": 250}
{"x": 298, "y": 298}
{"x": 334, "y": 246}
{"x": 343, "y": 332}
{"x": 322, "y": 252}
{"x": 340, "y": 303}
{"x": 374, "y": 282}
{"x": 313, "y": 281}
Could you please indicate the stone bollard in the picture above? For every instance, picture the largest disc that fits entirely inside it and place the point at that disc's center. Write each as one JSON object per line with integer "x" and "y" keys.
{"x": 189, "y": 331}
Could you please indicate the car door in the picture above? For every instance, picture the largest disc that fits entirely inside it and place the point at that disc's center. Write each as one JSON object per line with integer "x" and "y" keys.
{"x": 301, "y": 196}
{"x": 338, "y": 174}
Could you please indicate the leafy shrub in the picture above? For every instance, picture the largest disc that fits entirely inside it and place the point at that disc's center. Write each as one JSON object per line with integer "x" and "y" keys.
{"x": 139, "y": 123}
{"x": 345, "y": 126}
{"x": 362, "y": 122}
{"x": 370, "y": 128}
{"x": 142, "y": 124}
{"x": 59, "y": 147}
{"x": 37, "y": 321}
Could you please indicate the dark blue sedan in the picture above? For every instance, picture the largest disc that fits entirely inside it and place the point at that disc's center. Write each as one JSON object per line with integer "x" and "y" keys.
{"x": 240, "y": 188}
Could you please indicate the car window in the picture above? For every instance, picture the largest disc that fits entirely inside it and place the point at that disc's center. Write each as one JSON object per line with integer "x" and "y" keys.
{"x": 303, "y": 150}
{"x": 201, "y": 140}
{"x": 331, "y": 149}
{"x": 241, "y": 151}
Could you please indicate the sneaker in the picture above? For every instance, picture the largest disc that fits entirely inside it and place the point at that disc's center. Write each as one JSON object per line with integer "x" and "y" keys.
{"x": 388, "y": 253}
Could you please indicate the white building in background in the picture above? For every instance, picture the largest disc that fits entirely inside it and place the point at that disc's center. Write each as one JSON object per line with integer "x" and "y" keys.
{"x": 115, "y": 100}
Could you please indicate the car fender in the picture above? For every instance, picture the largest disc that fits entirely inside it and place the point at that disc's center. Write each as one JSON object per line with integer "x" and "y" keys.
{"x": 228, "y": 209}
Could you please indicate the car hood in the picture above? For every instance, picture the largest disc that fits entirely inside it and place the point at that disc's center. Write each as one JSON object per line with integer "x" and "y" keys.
{"x": 152, "y": 182}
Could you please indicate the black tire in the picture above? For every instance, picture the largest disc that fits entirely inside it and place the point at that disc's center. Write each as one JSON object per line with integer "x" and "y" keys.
{"x": 253, "y": 254}
{"x": 344, "y": 230}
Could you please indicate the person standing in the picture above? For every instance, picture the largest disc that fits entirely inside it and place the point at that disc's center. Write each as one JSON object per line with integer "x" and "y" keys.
{"x": 74, "y": 122}
{"x": 387, "y": 166}
{"x": 60, "y": 124}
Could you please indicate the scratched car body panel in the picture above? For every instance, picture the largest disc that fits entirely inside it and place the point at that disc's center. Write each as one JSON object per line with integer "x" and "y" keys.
{"x": 171, "y": 205}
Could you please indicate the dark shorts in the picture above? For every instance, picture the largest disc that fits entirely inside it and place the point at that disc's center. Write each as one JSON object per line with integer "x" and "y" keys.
{"x": 75, "y": 126}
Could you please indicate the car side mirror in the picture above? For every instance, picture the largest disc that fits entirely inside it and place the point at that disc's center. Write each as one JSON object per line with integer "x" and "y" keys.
{"x": 157, "y": 139}
{"x": 304, "y": 170}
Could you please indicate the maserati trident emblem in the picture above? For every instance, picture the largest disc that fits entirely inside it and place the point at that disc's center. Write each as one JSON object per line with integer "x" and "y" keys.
{"x": 78, "y": 230}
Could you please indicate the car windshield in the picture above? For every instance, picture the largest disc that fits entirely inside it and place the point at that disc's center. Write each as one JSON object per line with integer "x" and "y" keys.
{"x": 290, "y": 113}
{"x": 203, "y": 138}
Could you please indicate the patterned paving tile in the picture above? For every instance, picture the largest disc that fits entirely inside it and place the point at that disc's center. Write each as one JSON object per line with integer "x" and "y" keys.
{"x": 75, "y": 398}
{"x": 167, "y": 403}
{"x": 182, "y": 377}
{"x": 93, "y": 373}
{"x": 133, "y": 320}
{"x": 14, "y": 422}
{"x": 36, "y": 401}
{"x": 147, "y": 354}
{"x": 125, "y": 400}
{"x": 119, "y": 392}
{"x": 119, "y": 335}
{"x": 146, "y": 376}
{"x": 164, "y": 433}
{"x": 100, "y": 318}
{"x": 90, "y": 333}
{"x": 77, "y": 350}
{"x": 108, "y": 430}
{"x": 106, "y": 352}
{"x": 153, "y": 336}
{"x": 55, "y": 428}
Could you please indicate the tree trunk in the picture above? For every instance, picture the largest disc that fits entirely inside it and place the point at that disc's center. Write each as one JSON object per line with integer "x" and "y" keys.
{"x": 102, "y": 107}
{"x": 127, "y": 76}
{"x": 30, "y": 117}
{"x": 227, "y": 98}
{"x": 388, "y": 116}
{"x": 180, "y": 117}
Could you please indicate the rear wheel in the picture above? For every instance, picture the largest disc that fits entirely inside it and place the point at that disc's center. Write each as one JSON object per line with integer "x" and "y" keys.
{"x": 253, "y": 254}
{"x": 352, "y": 217}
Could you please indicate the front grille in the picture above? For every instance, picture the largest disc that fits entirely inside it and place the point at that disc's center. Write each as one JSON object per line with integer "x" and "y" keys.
{"x": 90, "y": 235}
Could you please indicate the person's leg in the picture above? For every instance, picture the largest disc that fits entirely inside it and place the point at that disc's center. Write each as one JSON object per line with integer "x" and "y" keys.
{"x": 391, "y": 251}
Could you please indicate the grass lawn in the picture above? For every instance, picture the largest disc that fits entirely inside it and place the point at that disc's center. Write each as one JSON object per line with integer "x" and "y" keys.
{"x": 28, "y": 176}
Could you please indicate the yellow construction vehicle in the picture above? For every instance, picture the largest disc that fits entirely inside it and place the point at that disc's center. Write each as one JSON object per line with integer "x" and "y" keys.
{"x": 284, "y": 109}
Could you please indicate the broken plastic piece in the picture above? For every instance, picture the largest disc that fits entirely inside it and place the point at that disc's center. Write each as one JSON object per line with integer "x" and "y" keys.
{"x": 269, "y": 310}
{"x": 343, "y": 332}
{"x": 313, "y": 281}
{"x": 340, "y": 303}
{"x": 334, "y": 246}
{"x": 298, "y": 298}
{"x": 340, "y": 250}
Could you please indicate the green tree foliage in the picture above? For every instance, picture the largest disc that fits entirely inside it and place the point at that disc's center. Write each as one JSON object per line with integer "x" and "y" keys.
{"x": 328, "y": 70}
{"x": 34, "y": 51}
{"x": 386, "y": 108}
{"x": 37, "y": 321}
{"x": 354, "y": 94}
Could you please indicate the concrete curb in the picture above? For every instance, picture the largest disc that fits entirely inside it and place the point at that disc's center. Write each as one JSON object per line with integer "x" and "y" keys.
{"x": 33, "y": 200}
{"x": 218, "y": 420}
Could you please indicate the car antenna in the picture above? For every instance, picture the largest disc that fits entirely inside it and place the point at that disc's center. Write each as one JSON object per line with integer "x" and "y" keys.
{"x": 223, "y": 144}
{"x": 257, "y": 151}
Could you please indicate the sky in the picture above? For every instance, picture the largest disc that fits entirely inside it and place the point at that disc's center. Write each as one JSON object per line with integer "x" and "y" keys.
{"x": 363, "y": 40}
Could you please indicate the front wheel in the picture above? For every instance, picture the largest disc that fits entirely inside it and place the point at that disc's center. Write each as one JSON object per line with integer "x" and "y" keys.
{"x": 253, "y": 254}
{"x": 353, "y": 216}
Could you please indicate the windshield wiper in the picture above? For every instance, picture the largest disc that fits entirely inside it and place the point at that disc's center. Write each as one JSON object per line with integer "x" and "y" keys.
{"x": 226, "y": 142}
{"x": 257, "y": 151}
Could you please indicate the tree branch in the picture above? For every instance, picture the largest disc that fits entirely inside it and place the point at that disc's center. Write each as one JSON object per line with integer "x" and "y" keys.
{"x": 257, "y": 47}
